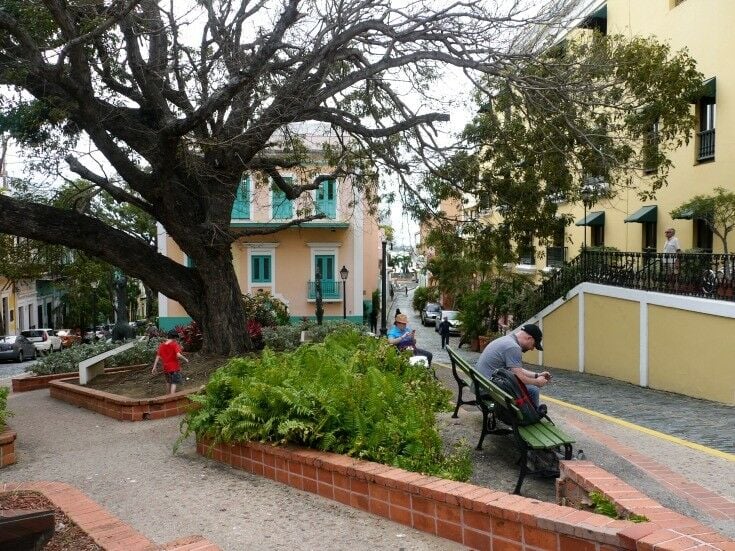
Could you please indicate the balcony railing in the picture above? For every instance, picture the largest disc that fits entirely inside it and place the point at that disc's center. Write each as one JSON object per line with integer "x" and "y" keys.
{"x": 706, "y": 149}
{"x": 331, "y": 289}
{"x": 693, "y": 274}
{"x": 556, "y": 256}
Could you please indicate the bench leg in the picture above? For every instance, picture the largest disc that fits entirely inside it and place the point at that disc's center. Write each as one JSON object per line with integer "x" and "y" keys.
{"x": 567, "y": 451}
{"x": 524, "y": 471}
{"x": 459, "y": 403}
{"x": 484, "y": 429}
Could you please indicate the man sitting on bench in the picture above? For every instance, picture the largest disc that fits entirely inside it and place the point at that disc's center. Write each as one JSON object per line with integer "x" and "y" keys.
{"x": 405, "y": 339}
{"x": 507, "y": 353}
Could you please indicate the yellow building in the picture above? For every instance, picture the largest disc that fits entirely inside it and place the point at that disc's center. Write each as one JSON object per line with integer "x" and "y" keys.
{"x": 8, "y": 323}
{"x": 286, "y": 263}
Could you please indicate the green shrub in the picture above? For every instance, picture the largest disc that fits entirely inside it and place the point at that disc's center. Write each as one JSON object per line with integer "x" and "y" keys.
{"x": 351, "y": 394}
{"x": 424, "y": 295}
{"x": 288, "y": 337}
{"x": 68, "y": 359}
{"x": 267, "y": 310}
{"x": 4, "y": 413}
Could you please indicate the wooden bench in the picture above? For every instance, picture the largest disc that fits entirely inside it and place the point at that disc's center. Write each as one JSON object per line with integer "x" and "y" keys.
{"x": 21, "y": 530}
{"x": 497, "y": 405}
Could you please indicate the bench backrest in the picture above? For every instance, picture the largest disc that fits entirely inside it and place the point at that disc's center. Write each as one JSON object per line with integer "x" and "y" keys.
{"x": 490, "y": 389}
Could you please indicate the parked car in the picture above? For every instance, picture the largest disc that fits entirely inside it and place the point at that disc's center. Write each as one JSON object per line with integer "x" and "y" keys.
{"x": 430, "y": 313}
{"x": 16, "y": 348}
{"x": 68, "y": 337}
{"x": 455, "y": 326}
{"x": 44, "y": 339}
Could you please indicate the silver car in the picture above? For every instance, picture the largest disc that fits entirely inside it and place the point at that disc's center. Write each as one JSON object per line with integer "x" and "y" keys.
{"x": 16, "y": 348}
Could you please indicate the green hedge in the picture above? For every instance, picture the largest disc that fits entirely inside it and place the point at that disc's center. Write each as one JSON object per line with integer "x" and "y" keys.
{"x": 351, "y": 394}
{"x": 288, "y": 337}
{"x": 4, "y": 413}
{"x": 68, "y": 359}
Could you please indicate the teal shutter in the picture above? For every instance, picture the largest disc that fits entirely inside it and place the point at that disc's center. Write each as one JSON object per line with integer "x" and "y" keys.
{"x": 260, "y": 268}
{"x": 326, "y": 199}
{"x": 282, "y": 207}
{"x": 241, "y": 206}
{"x": 324, "y": 266}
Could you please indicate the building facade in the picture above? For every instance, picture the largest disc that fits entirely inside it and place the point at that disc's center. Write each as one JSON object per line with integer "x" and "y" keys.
{"x": 288, "y": 263}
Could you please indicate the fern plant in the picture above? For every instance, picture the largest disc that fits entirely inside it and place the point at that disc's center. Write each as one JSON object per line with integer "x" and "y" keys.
{"x": 351, "y": 394}
{"x": 4, "y": 413}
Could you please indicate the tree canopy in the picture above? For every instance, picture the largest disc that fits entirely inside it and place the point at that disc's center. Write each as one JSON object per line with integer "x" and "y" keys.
{"x": 717, "y": 210}
{"x": 177, "y": 104}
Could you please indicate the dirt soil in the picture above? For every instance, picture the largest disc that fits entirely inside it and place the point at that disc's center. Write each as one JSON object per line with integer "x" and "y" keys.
{"x": 141, "y": 383}
{"x": 67, "y": 534}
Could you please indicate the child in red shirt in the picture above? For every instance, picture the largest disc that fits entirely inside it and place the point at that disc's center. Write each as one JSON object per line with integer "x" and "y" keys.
{"x": 169, "y": 353}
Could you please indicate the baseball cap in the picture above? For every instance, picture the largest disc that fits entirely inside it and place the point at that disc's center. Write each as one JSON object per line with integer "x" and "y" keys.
{"x": 401, "y": 318}
{"x": 535, "y": 332}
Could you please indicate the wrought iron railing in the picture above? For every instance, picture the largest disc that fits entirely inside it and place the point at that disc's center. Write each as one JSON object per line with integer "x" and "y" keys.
{"x": 556, "y": 256}
{"x": 703, "y": 275}
{"x": 331, "y": 289}
{"x": 706, "y": 145}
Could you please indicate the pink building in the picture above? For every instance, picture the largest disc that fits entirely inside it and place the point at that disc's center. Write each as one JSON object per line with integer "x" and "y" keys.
{"x": 286, "y": 263}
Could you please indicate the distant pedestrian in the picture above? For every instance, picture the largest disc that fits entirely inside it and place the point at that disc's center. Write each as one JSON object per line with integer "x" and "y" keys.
{"x": 406, "y": 289}
{"x": 151, "y": 332}
{"x": 444, "y": 331}
{"x": 169, "y": 353}
{"x": 392, "y": 293}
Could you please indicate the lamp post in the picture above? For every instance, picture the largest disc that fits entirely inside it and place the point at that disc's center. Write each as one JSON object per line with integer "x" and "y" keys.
{"x": 384, "y": 290}
{"x": 343, "y": 273}
{"x": 94, "y": 285}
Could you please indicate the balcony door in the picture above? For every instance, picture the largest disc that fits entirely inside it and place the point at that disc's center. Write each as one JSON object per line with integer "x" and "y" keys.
{"x": 326, "y": 199}
{"x": 324, "y": 271}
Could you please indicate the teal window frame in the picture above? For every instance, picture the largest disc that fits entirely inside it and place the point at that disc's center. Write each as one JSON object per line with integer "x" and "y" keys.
{"x": 241, "y": 206}
{"x": 282, "y": 208}
{"x": 330, "y": 285}
{"x": 325, "y": 205}
{"x": 261, "y": 268}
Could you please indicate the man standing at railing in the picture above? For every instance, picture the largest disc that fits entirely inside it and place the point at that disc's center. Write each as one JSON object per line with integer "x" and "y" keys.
{"x": 671, "y": 248}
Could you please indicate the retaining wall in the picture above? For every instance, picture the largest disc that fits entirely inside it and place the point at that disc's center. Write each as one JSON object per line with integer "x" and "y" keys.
{"x": 7, "y": 447}
{"x": 37, "y": 382}
{"x": 480, "y": 518}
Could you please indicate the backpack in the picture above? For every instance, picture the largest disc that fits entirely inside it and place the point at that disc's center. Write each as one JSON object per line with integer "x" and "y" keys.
{"x": 512, "y": 385}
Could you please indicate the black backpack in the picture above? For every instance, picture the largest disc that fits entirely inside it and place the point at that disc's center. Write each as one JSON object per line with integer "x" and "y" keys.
{"x": 512, "y": 385}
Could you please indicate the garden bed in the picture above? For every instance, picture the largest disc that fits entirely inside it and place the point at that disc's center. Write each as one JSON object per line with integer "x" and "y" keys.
{"x": 38, "y": 382}
{"x": 7, "y": 447}
{"x": 82, "y": 524}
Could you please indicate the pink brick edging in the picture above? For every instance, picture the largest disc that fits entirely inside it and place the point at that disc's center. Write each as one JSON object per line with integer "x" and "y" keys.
{"x": 7, "y": 447}
{"x": 37, "y": 382}
{"x": 667, "y": 529}
{"x": 480, "y": 518}
{"x": 107, "y": 531}
{"x": 121, "y": 407}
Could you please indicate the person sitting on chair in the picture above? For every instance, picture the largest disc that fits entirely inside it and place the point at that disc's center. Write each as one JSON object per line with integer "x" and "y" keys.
{"x": 405, "y": 339}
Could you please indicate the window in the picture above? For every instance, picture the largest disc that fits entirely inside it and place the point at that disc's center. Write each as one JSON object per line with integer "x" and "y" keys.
{"x": 282, "y": 206}
{"x": 324, "y": 272}
{"x": 649, "y": 236}
{"x": 260, "y": 268}
{"x": 326, "y": 198}
{"x": 527, "y": 252}
{"x": 707, "y": 109}
{"x": 702, "y": 235}
{"x": 597, "y": 236}
{"x": 241, "y": 206}
{"x": 556, "y": 255}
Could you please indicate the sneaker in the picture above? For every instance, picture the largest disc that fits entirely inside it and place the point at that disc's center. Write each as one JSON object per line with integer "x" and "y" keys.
{"x": 542, "y": 410}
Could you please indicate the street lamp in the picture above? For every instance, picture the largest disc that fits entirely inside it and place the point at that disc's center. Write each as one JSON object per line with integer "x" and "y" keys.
{"x": 383, "y": 328}
{"x": 343, "y": 273}
{"x": 94, "y": 285}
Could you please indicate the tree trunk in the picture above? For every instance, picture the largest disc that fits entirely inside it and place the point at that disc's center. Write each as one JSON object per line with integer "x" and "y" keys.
{"x": 222, "y": 318}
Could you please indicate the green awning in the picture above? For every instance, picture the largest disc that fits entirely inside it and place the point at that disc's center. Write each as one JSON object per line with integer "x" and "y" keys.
{"x": 596, "y": 218}
{"x": 708, "y": 90}
{"x": 644, "y": 214}
{"x": 685, "y": 215}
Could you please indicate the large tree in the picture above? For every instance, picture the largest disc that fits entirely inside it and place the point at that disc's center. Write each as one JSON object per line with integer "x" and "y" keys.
{"x": 181, "y": 101}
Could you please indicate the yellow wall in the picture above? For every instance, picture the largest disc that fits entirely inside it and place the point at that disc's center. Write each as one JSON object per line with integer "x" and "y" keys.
{"x": 561, "y": 336}
{"x": 691, "y": 353}
{"x": 7, "y": 290}
{"x": 612, "y": 338}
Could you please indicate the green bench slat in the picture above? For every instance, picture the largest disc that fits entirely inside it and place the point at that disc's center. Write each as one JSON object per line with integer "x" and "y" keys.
{"x": 544, "y": 435}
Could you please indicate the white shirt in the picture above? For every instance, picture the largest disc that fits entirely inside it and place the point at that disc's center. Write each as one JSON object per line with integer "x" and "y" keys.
{"x": 672, "y": 245}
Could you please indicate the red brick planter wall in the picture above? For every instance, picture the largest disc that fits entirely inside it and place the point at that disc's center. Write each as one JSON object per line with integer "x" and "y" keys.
{"x": 107, "y": 531}
{"x": 479, "y": 518}
{"x": 7, "y": 447}
{"x": 121, "y": 407}
{"x": 667, "y": 530}
{"x": 36, "y": 382}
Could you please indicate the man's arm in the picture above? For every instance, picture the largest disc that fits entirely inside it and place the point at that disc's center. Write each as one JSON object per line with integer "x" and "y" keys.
{"x": 531, "y": 377}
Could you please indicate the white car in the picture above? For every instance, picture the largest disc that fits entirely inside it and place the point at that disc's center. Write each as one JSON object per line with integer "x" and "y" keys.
{"x": 45, "y": 340}
{"x": 455, "y": 326}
